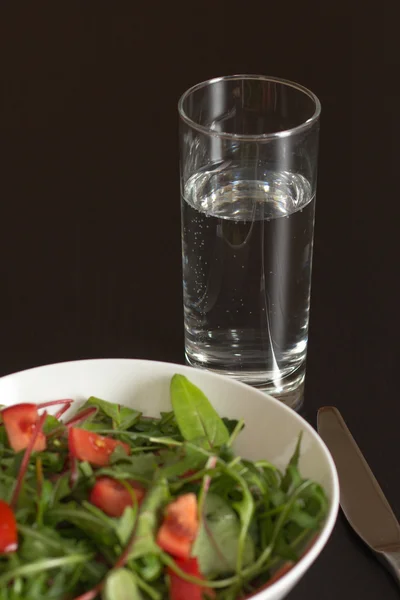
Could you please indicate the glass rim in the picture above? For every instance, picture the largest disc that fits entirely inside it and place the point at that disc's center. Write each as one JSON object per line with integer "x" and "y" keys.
{"x": 250, "y": 137}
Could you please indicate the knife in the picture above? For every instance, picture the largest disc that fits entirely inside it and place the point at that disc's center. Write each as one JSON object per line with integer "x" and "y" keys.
{"x": 361, "y": 498}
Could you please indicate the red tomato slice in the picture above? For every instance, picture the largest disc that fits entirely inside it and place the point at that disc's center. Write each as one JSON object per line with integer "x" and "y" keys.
{"x": 8, "y": 529}
{"x": 96, "y": 449}
{"x": 113, "y": 497}
{"x": 176, "y": 545}
{"x": 180, "y": 526}
{"x": 20, "y": 422}
{"x": 184, "y": 590}
{"x": 181, "y": 516}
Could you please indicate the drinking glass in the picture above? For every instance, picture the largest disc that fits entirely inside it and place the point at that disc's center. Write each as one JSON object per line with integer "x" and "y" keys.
{"x": 248, "y": 171}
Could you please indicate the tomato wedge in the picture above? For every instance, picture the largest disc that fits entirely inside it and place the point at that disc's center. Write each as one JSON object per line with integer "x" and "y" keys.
{"x": 96, "y": 449}
{"x": 178, "y": 546}
{"x": 180, "y": 526}
{"x": 112, "y": 496}
{"x": 184, "y": 590}
{"x": 20, "y": 422}
{"x": 8, "y": 529}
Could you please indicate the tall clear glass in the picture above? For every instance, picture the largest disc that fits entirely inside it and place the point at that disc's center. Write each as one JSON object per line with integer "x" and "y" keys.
{"x": 249, "y": 147}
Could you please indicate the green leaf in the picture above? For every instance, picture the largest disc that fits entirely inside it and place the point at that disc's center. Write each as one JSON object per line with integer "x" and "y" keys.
{"x": 86, "y": 468}
{"x": 296, "y": 455}
{"x": 97, "y": 527}
{"x": 245, "y": 508}
{"x": 140, "y": 465}
{"x": 109, "y": 409}
{"x": 284, "y": 550}
{"x": 125, "y": 524}
{"x": 47, "y": 543}
{"x": 217, "y": 543}
{"x": 44, "y": 500}
{"x": 230, "y": 424}
{"x": 122, "y": 416}
{"x": 253, "y": 476}
{"x": 291, "y": 480}
{"x": 155, "y": 499}
{"x": 121, "y": 585}
{"x": 128, "y": 417}
{"x": 315, "y": 504}
{"x": 15, "y": 465}
{"x": 303, "y": 519}
{"x": 52, "y": 460}
{"x": 194, "y": 414}
{"x": 46, "y": 564}
{"x": 292, "y": 477}
{"x": 93, "y": 426}
{"x": 61, "y": 489}
{"x": 265, "y": 530}
{"x": 223, "y": 485}
{"x": 186, "y": 458}
{"x": 149, "y": 567}
{"x": 271, "y": 474}
{"x": 51, "y": 423}
{"x": 277, "y": 497}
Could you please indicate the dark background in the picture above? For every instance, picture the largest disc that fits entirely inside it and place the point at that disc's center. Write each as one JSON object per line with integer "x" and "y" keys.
{"x": 89, "y": 201}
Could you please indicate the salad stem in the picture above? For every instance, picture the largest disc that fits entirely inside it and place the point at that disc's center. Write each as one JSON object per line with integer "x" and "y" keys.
{"x": 26, "y": 458}
{"x": 67, "y": 402}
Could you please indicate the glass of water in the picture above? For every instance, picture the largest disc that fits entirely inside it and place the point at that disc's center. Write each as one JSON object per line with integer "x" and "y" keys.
{"x": 249, "y": 147}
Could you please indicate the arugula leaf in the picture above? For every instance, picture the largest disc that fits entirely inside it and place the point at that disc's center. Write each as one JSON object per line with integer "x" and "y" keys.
{"x": 128, "y": 417}
{"x": 253, "y": 476}
{"x": 195, "y": 416}
{"x": 184, "y": 459}
{"x": 303, "y": 519}
{"x": 285, "y": 550}
{"x": 125, "y": 524}
{"x": 122, "y": 416}
{"x": 245, "y": 508}
{"x": 50, "y": 424}
{"x": 52, "y": 460}
{"x": 44, "y": 500}
{"x": 230, "y": 424}
{"x": 99, "y": 528}
{"x": 149, "y": 567}
{"x": 155, "y": 499}
{"x": 217, "y": 544}
{"x": 61, "y": 489}
{"x": 107, "y": 408}
{"x": 292, "y": 477}
{"x": 47, "y": 543}
{"x": 121, "y": 585}
{"x": 142, "y": 465}
{"x": 45, "y": 564}
{"x": 277, "y": 497}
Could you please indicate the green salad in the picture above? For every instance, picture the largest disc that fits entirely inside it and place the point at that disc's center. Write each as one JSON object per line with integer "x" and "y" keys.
{"x": 114, "y": 505}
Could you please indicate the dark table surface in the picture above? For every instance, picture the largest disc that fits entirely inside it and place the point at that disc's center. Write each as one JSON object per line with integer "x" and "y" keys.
{"x": 89, "y": 202}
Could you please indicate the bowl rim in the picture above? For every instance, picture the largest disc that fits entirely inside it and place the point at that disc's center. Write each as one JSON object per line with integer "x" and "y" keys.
{"x": 288, "y": 580}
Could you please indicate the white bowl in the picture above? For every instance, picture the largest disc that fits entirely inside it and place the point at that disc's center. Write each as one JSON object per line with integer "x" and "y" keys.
{"x": 271, "y": 428}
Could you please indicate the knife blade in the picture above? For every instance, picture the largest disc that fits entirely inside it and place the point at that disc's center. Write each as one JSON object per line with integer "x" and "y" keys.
{"x": 361, "y": 498}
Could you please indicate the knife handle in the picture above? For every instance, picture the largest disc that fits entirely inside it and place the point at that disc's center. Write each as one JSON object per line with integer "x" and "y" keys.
{"x": 391, "y": 560}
